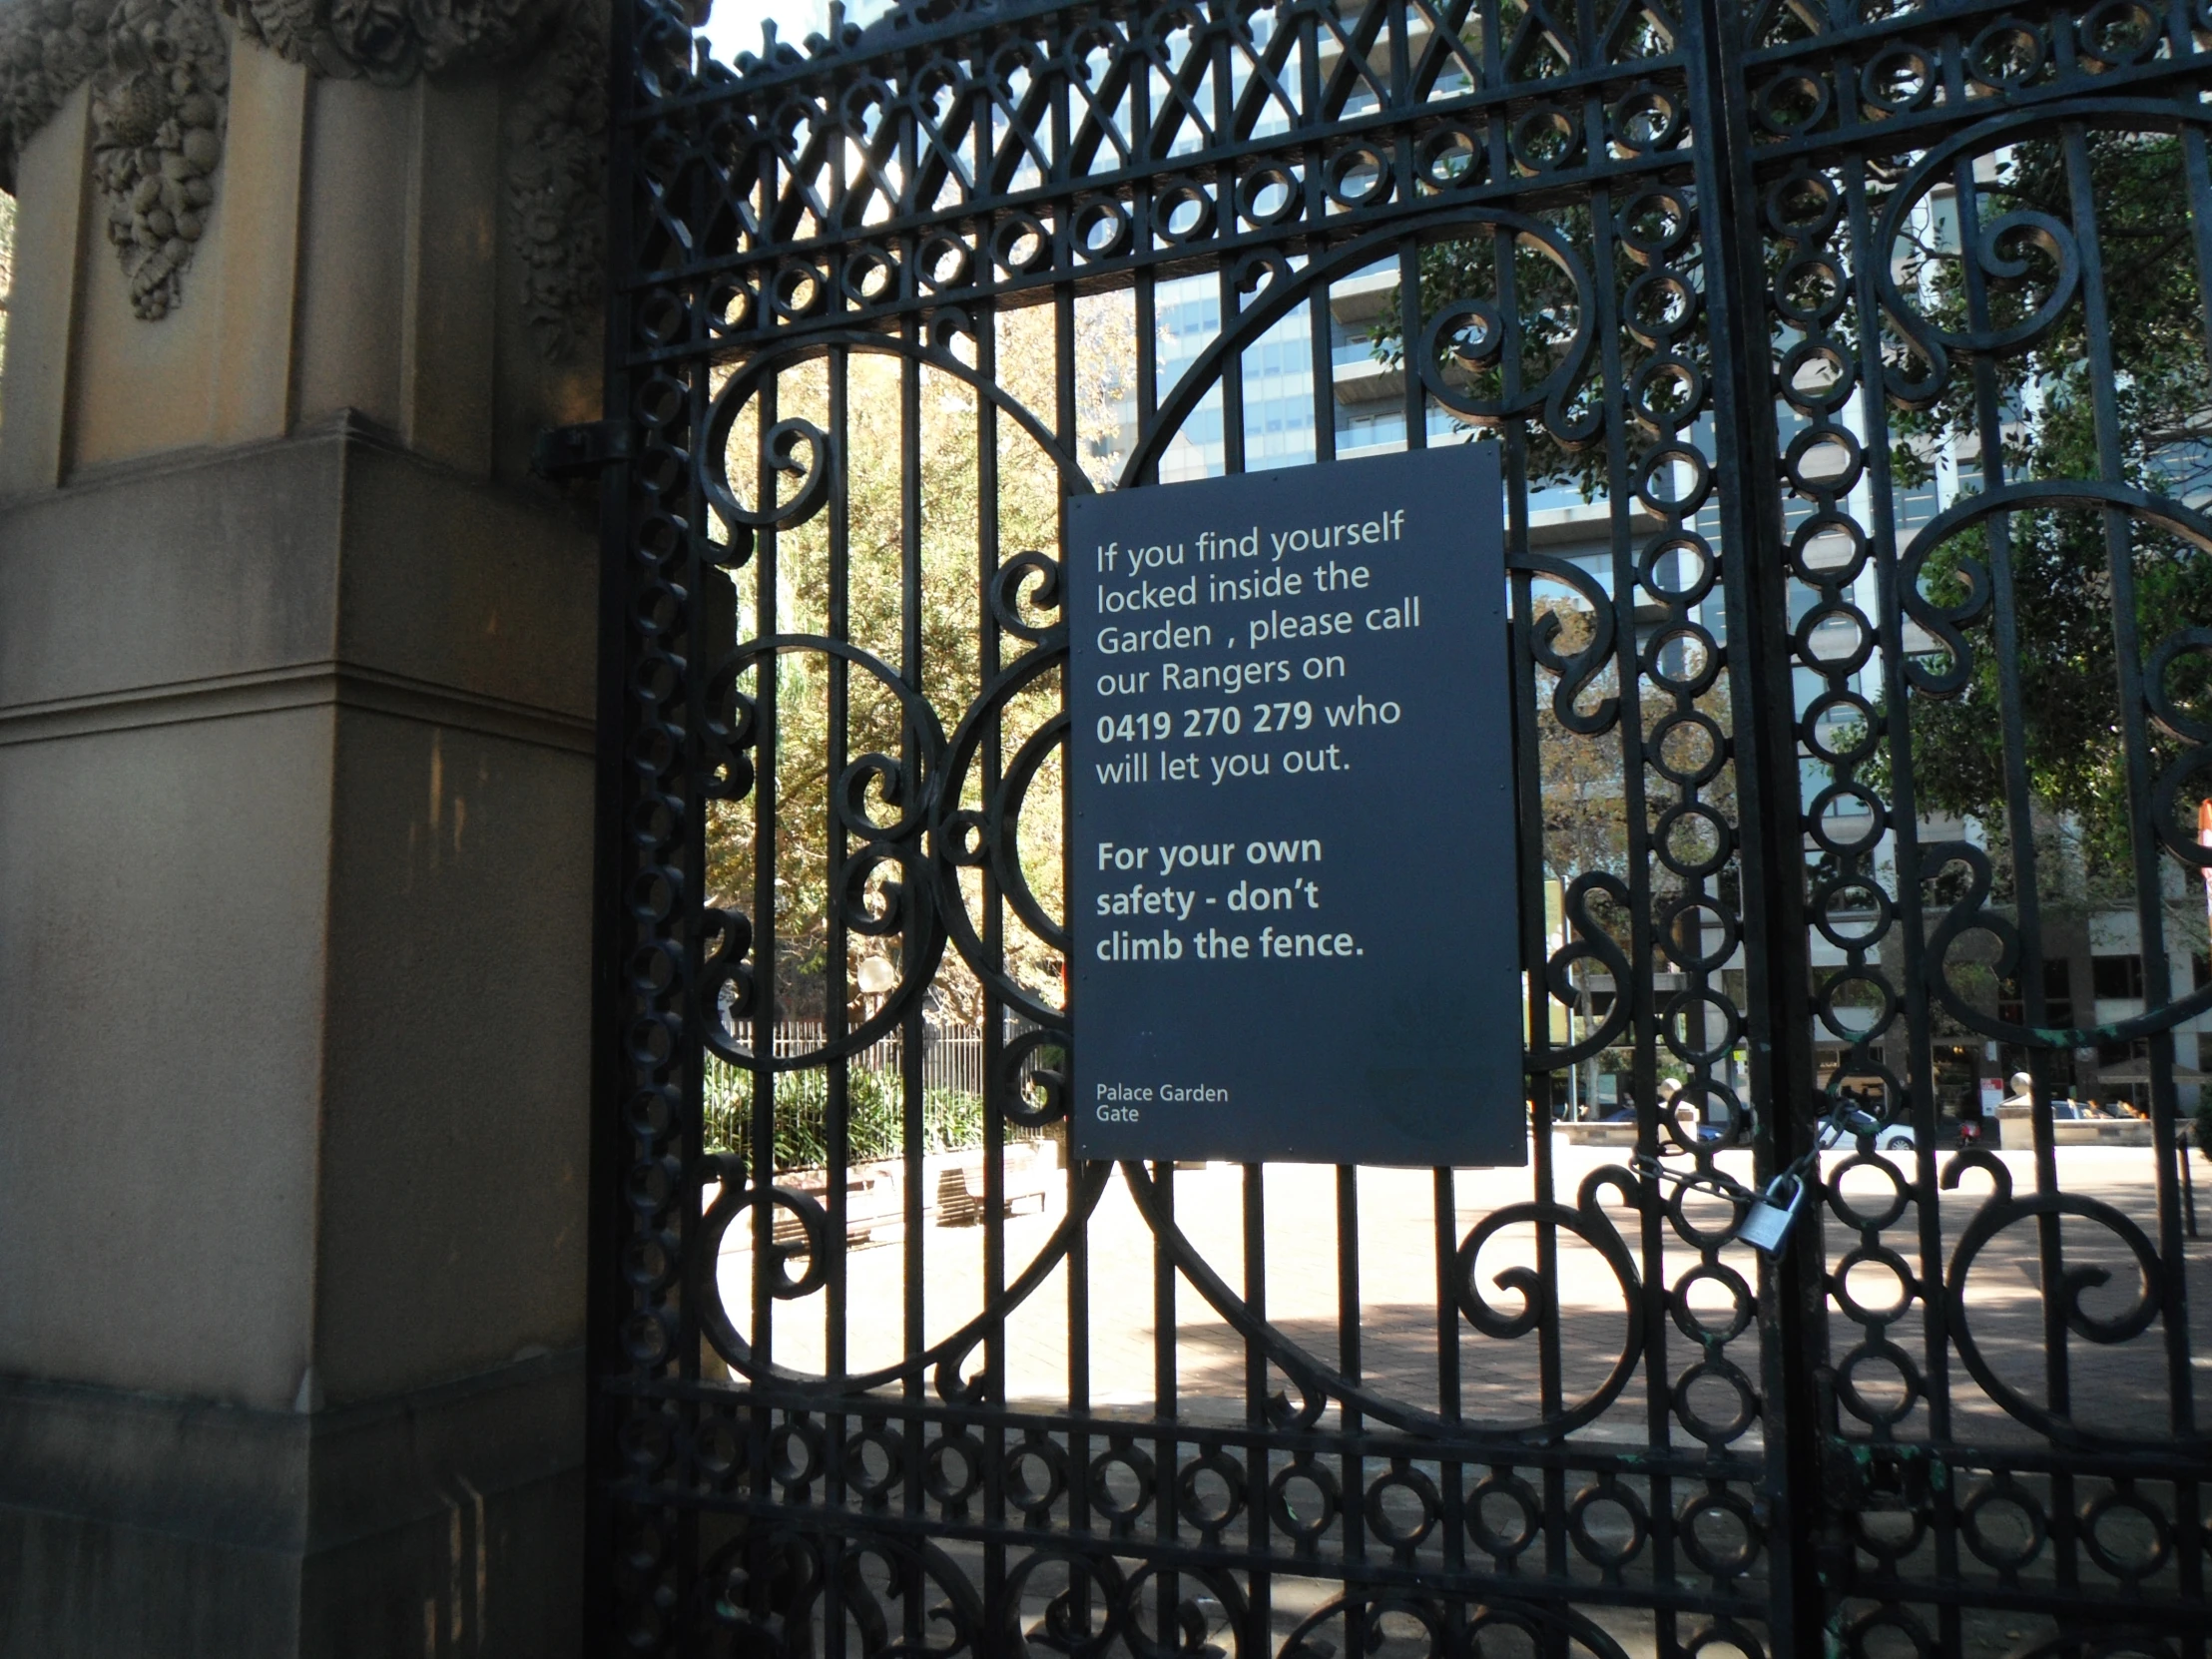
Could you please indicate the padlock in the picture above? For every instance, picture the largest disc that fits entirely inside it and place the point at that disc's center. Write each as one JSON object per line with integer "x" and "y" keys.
{"x": 1766, "y": 1224}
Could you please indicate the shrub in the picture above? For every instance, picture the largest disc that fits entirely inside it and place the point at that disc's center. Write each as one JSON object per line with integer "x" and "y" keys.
{"x": 951, "y": 1119}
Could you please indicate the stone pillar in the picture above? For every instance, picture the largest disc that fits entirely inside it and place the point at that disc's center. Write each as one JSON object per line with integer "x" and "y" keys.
{"x": 296, "y": 817}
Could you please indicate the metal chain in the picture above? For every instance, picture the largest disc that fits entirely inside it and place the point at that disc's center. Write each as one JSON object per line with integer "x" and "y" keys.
{"x": 1790, "y": 1181}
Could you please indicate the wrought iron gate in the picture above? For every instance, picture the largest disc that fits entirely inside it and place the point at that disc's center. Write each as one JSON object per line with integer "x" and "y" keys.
{"x": 1839, "y": 357}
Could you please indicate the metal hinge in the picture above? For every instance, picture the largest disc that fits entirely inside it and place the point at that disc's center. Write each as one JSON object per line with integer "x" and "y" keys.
{"x": 570, "y": 451}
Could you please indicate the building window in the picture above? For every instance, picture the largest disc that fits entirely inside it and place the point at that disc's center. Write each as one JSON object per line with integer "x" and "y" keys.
{"x": 2057, "y": 998}
{"x": 2116, "y": 978}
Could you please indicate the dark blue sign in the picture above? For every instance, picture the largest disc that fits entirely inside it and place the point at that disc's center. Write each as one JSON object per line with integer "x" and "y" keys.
{"x": 1294, "y": 896}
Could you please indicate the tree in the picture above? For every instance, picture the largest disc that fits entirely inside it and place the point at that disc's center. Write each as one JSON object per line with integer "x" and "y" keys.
{"x": 2060, "y": 567}
{"x": 950, "y": 598}
{"x": 1580, "y": 760}
{"x": 2067, "y": 673}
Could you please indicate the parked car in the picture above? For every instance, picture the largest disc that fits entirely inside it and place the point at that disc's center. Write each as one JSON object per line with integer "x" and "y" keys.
{"x": 1848, "y": 1126}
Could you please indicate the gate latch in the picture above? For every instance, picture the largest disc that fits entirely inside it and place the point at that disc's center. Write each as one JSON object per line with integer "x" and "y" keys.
{"x": 570, "y": 451}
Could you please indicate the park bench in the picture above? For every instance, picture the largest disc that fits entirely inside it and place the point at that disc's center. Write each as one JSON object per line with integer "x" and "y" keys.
{"x": 953, "y": 1190}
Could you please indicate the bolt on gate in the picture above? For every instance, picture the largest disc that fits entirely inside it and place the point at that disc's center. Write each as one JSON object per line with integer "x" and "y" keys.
{"x": 1845, "y": 362}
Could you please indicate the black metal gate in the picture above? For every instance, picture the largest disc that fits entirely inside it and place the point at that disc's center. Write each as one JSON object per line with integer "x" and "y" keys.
{"x": 1848, "y": 362}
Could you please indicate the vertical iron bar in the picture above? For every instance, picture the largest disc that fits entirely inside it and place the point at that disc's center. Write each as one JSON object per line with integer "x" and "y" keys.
{"x": 2150, "y": 915}
{"x": 1755, "y": 600}
{"x": 838, "y": 1093}
{"x": 912, "y": 1032}
{"x": 1888, "y": 624}
{"x": 1080, "y": 1496}
{"x": 1257, "y": 1472}
{"x": 988, "y": 650}
{"x": 1415, "y": 400}
{"x": 608, "y": 1299}
{"x": 1348, "y": 1359}
{"x": 764, "y": 802}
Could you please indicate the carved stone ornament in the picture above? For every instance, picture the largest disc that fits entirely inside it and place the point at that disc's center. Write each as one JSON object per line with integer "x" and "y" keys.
{"x": 161, "y": 70}
{"x": 391, "y": 41}
{"x": 557, "y": 184}
{"x": 156, "y": 134}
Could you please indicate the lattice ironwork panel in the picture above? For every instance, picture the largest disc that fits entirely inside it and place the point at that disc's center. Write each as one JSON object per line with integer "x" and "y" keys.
{"x": 1988, "y": 280}
{"x": 1839, "y": 365}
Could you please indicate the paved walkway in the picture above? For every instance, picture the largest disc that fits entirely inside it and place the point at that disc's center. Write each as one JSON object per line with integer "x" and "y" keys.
{"x": 2118, "y": 1388}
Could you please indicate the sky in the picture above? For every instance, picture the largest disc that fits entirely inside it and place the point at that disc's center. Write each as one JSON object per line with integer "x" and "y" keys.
{"x": 735, "y": 25}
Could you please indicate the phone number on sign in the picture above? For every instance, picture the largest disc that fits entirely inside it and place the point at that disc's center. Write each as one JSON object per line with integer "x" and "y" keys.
{"x": 1227, "y": 720}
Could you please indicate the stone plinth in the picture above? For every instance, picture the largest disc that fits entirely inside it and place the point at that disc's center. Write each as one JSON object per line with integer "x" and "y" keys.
{"x": 295, "y": 813}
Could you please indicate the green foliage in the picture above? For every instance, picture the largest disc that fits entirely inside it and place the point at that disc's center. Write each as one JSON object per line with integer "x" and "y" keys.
{"x": 2068, "y": 675}
{"x": 2059, "y": 564}
{"x": 2153, "y": 372}
{"x": 1473, "y": 362}
{"x": 905, "y": 586}
{"x": 1549, "y": 304}
{"x": 1584, "y": 794}
{"x": 951, "y": 1119}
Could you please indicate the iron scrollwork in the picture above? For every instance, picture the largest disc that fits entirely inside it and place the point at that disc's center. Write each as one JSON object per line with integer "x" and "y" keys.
{"x": 1663, "y": 255}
